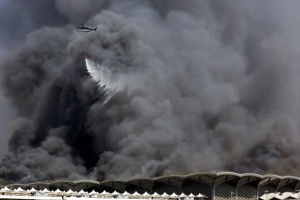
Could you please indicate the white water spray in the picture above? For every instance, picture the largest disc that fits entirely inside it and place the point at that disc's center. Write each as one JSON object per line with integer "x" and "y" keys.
{"x": 106, "y": 79}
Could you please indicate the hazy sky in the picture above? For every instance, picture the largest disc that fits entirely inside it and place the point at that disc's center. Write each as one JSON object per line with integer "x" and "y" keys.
{"x": 7, "y": 112}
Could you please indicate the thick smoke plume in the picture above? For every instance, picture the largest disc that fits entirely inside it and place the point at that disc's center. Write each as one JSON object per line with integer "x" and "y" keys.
{"x": 169, "y": 88}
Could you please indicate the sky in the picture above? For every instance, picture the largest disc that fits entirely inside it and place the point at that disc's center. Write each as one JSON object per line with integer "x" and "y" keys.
{"x": 6, "y": 110}
{"x": 168, "y": 88}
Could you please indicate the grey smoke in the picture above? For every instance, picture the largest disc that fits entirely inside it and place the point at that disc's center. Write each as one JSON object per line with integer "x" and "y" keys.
{"x": 213, "y": 86}
{"x": 80, "y": 11}
{"x": 18, "y": 18}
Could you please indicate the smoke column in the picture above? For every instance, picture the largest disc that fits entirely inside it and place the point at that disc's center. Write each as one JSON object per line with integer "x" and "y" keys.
{"x": 170, "y": 88}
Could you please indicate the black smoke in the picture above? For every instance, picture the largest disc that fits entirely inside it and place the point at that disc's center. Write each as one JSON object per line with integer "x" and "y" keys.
{"x": 176, "y": 87}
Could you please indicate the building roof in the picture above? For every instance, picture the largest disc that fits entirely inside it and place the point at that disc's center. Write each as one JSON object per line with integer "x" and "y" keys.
{"x": 176, "y": 181}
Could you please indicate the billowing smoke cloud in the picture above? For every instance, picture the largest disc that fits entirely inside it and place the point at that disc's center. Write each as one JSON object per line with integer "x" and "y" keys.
{"x": 80, "y": 11}
{"x": 192, "y": 86}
